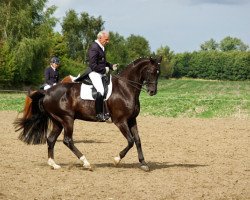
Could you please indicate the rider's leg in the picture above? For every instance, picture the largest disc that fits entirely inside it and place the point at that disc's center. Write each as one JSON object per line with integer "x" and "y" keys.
{"x": 96, "y": 79}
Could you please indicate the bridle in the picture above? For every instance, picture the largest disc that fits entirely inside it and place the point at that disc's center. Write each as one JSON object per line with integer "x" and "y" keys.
{"x": 137, "y": 85}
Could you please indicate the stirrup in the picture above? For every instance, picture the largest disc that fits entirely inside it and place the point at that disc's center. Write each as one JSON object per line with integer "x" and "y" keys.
{"x": 102, "y": 117}
{"x": 106, "y": 116}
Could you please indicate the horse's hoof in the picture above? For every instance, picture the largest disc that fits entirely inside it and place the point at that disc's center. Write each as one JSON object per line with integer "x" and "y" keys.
{"x": 52, "y": 164}
{"x": 88, "y": 167}
{"x": 117, "y": 160}
{"x": 145, "y": 168}
{"x": 56, "y": 166}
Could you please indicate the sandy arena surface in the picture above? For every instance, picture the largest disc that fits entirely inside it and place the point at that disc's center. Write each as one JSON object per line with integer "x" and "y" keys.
{"x": 189, "y": 159}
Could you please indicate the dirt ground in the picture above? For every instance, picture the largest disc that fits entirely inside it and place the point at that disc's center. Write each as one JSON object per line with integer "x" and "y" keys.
{"x": 189, "y": 159}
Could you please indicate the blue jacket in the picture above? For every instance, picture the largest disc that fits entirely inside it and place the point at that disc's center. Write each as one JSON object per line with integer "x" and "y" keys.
{"x": 51, "y": 76}
{"x": 97, "y": 59}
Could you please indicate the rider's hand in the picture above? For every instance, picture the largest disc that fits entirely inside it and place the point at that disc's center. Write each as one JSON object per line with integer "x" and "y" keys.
{"x": 107, "y": 70}
{"x": 114, "y": 67}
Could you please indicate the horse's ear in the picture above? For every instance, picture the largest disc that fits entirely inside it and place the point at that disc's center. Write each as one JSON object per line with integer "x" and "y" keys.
{"x": 152, "y": 60}
{"x": 159, "y": 59}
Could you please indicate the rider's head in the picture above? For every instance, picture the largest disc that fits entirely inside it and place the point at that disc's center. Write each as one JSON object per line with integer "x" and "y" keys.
{"x": 103, "y": 37}
{"x": 55, "y": 61}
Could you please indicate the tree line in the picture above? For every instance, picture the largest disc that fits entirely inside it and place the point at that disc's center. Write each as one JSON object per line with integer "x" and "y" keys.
{"x": 28, "y": 41}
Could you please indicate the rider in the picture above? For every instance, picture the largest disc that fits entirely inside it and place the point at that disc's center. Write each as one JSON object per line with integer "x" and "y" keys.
{"x": 99, "y": 67}
{"x": 51, "y": 73}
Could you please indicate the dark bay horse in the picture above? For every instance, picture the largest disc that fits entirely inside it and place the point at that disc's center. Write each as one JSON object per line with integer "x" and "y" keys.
{"x": 61, "y": 105}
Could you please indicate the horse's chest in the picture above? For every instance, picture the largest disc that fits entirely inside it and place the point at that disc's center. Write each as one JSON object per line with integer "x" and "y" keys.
{"x": 133, "y": 106}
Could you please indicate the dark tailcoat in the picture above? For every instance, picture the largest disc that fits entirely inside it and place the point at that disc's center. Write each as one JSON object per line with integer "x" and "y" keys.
{"x": 97, "y": 59}
{"x": 51, "y": 76}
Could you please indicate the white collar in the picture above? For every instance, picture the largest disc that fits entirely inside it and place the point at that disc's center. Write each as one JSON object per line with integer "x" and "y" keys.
{"x": 102, "y": 47}
{"x": 53, "y": 67}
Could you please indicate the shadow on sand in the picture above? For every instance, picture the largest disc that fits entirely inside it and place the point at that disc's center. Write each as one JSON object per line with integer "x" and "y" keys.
{"x": 152, "y": 165}
{"x": 85, "y": 141}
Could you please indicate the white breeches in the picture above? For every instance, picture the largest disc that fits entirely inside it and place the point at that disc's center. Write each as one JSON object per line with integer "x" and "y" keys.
{"x": 96, "y": 79}
{"x": 46, "y": 87}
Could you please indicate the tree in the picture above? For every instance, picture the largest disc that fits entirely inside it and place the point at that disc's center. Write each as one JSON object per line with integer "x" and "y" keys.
{"x": 90, "y": 26}
{"x": 137, "y": 46}
{"x": 232, "y": 44}
{"x": 79, "y": 32}
{"x": 26, "y": 30}
{"x": 210, "y": 45}
{"x": 166, "y": 65}
{"x": 116, "y": 50}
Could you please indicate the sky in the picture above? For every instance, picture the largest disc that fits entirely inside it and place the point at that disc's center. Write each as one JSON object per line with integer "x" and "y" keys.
{"x": 182, "y": 25}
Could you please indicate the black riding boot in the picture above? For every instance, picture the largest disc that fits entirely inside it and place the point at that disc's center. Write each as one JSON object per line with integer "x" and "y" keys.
{"x": 99, "y": 108}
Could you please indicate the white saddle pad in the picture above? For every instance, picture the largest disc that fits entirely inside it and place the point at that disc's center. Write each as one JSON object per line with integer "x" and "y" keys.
{"x": 86, "y": 91}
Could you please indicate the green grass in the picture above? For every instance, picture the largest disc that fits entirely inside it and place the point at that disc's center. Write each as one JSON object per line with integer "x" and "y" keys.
{"x": 198, "y": 98}
{"x": 12, "y": 101}
{"x": 180, "y": 98}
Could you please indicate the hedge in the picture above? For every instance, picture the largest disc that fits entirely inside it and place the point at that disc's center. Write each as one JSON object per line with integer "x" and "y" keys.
{"x": 213, "y": 65}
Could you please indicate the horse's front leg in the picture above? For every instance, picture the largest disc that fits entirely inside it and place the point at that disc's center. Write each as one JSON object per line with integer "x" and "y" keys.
{"x": 134, "y": 130}
{"x": 68, "y": 141}
{"x": 127, "y": 134}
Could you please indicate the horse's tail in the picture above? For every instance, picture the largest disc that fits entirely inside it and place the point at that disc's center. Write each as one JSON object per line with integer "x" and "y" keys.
{"x": 27, "y": 107}
{"x": 34, "y": 123}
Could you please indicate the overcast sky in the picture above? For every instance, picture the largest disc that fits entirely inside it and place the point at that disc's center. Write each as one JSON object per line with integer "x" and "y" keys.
{"x": 183, "y": 25}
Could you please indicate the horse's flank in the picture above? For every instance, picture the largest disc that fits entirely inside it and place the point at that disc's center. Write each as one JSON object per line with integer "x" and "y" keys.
{"x": 28, "y": 101}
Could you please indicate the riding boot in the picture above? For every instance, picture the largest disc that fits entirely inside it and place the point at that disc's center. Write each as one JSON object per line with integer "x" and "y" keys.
{"x": 99, "y": 108}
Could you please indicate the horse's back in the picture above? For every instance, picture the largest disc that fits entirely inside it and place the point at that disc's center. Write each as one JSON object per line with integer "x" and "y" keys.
{"x": 64, "y": 99}
{"x": 61, "y": 94}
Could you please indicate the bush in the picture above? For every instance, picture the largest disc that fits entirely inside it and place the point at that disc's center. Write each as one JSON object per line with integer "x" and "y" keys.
{"x": 214, "y": 65}
{"x": 70, "y": 67}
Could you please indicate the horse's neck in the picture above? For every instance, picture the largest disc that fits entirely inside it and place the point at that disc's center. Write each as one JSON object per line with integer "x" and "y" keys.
{"x": 132, "y": 78}
{"x": 131, "y": 75}
{"x": 134, "y": 72}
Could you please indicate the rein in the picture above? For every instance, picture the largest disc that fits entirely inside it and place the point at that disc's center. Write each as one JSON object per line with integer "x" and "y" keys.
{"x": 134, "y": 84}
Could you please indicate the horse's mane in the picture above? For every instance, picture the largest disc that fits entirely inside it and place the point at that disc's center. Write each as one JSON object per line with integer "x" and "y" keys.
{"x": 133, "y": 63}
{"x": 137, "y": 61}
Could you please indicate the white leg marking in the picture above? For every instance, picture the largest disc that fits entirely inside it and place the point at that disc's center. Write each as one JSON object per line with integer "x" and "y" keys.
{"x": 117, "y": 160}
{"x": 86, "y": 164}
{"x": 52, "y": 163}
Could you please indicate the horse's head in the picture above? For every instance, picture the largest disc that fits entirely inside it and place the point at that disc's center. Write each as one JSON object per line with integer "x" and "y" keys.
{"x": 151, "y": 74}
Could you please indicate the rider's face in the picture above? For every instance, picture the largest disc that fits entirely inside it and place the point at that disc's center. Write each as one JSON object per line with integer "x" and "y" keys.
{"x": 55, "y": 65}
{"x": 104, "y": 39}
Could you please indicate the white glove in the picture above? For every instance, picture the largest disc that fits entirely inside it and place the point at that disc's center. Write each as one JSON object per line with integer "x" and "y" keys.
{"x": 115, "y": 67}
{"x": 107, "y": 70}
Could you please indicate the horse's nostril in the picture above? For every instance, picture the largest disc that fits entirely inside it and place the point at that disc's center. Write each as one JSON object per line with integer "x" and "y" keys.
{"x": 151, "y": 93}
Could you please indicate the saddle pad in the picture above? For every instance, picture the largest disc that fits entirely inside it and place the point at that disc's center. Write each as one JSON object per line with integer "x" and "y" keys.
{"x": 86, "y": 91}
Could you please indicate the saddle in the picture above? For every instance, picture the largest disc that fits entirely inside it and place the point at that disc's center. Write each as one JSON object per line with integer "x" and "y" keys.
{"x": 88, "y": 91}
{"x": 84, "y": 78}
{"x": 105, "y": 81}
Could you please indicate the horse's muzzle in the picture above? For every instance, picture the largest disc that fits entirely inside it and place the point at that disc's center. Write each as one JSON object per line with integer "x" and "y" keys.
{"x": 152, "y": 92}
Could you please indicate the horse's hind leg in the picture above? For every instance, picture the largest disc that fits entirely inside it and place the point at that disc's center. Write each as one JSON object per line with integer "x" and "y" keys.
{"x": 51, "y": 140}
{"x": 68, "y": 141}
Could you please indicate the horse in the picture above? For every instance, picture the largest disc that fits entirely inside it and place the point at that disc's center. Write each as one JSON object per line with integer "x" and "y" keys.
{"x": 60, "y": 105}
